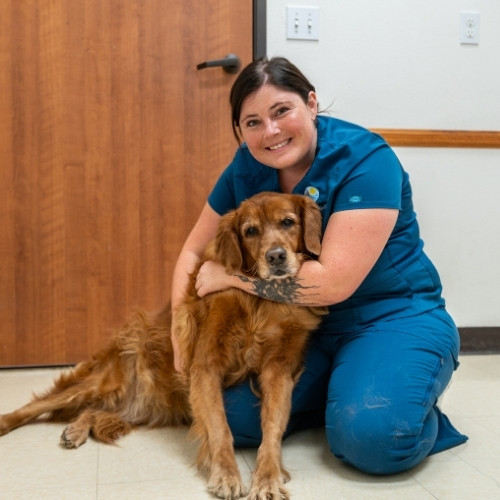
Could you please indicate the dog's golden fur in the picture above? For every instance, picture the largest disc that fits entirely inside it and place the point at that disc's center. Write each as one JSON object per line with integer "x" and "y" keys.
{"x": 224, "y": 338}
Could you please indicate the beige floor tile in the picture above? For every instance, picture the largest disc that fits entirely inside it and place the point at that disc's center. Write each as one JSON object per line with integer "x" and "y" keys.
{"x": 461, "y": 481}
{"x": 482, "y": 442}
{"x": 488, "y": 364}
{"x": 49, "y": 432}
{"x": 147, "y": 455}
{"x": 36, "y": 492}
{"x": 473, "y": 398}
{"x": 488, "y": 468}
{"x": 159, "y": 463}
{"x": 492, "y": 423}
{"x": 175, "y": 488}
{"x": 18, "y": 386}
{"x": 347, "y": 484}
{"x": 43, "y": 375}
{"x": 31, "y": 463}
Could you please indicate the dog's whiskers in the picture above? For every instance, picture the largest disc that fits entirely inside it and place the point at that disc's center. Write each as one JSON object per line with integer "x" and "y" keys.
{"x": 254, "y": 270}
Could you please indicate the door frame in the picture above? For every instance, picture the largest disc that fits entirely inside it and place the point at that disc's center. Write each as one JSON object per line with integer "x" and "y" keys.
{"x": 259, "y": 29}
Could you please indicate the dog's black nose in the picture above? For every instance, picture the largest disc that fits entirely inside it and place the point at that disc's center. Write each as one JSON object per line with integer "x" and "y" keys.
{"x": 276, "y": 255}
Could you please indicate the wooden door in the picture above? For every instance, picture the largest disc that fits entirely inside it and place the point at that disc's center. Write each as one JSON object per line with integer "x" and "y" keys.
{"x": 110, "y": 140}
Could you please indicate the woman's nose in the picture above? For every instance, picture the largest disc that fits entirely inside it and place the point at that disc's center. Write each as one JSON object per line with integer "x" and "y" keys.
{"x": 271, "y": 127}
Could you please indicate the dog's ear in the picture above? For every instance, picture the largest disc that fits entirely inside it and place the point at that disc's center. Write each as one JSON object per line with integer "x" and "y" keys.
{"x": 227, "y": 244}
{"x": 311, "y": 225}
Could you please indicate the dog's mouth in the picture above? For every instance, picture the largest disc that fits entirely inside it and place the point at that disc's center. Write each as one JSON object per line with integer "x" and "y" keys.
{"x": 282, "y": 271}
{"x": 279, "y": 273}
{"x": 269, "y": 273}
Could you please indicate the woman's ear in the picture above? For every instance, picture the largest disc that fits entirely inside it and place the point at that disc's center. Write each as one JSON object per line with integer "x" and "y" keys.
{"x": 312, "y": 104}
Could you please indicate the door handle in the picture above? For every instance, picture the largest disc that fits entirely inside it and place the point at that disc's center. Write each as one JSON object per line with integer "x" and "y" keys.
{"x": 230, "y": 64}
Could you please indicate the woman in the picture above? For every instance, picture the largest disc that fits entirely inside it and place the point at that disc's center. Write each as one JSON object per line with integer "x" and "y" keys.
{"x": 388, "y": 348}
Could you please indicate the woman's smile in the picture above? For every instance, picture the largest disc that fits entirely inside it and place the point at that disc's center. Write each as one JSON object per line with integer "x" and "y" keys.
{"x": 279, "y": 145}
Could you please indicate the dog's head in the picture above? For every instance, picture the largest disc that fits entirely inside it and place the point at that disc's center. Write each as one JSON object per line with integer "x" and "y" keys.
{"x": 269, "y": 235}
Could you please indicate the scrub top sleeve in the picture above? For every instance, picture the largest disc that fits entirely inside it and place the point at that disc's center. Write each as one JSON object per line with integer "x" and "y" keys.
{"x": 222, "y": 197}
{"x": 375, "y": 182}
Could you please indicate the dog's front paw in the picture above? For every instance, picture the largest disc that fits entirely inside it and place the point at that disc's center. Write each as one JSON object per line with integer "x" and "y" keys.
{"x": 73, "y": 436}
{"x": 268, "y": 489}
{"x": 229, "y": 487}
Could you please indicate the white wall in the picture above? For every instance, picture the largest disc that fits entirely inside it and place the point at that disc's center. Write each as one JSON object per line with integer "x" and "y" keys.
{"x": 399, "y": 64}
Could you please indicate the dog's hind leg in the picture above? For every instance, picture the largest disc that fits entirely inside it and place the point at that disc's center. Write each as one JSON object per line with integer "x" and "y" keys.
{"x": 62, "y": 403}
{"x": 70, "y": 393}
{"x": 104, "y": 426}
{"x": 31, "y": 411}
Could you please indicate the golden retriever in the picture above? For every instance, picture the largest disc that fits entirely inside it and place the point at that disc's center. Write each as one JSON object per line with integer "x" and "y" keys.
{"x": 224, "y": 338}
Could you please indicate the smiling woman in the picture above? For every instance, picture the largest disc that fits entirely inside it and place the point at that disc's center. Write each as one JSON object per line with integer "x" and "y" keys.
{"x": 387, "y": 331}
{"x": 279, "y": 128}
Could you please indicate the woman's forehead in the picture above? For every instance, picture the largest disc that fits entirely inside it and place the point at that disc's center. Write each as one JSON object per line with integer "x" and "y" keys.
{"x": 266, "y": 97}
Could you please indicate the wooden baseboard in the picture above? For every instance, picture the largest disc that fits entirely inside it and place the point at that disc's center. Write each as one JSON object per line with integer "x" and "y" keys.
{"x": 480, "y": 340}
{"x": 473, "y": 340}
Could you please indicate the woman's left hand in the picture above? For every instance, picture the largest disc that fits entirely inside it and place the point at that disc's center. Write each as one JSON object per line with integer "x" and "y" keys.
{"x": 212, "y": 277}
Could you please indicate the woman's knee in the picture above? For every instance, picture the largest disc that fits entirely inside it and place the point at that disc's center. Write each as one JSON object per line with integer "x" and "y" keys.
{"x": 377, "y": 440}
{"x": 308, "y": 401}
{"x": 242, "y": 408}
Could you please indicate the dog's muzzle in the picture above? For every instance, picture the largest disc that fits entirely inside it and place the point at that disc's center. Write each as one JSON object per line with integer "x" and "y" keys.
{"x": 277, "y": 261}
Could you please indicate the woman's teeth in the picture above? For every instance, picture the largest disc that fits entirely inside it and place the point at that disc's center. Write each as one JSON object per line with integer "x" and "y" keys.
{"x": 280, "y": 145}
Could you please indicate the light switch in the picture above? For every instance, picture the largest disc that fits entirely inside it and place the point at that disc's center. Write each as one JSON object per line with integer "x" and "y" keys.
{"x": 302, "y": 23}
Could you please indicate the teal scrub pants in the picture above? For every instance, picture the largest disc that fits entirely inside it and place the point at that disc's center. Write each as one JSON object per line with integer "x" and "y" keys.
{"x": 374, "y": 389}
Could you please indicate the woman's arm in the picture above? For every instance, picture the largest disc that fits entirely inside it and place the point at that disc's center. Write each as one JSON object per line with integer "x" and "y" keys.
{"x": 352, "y": 244}
{"x": 202, "y": 233}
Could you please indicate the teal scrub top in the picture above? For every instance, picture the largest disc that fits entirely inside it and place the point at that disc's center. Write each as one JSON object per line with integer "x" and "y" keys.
{"x": 353, "y": 169}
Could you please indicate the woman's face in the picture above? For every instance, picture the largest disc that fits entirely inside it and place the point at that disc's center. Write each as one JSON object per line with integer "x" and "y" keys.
{"x": 279, "y": 128}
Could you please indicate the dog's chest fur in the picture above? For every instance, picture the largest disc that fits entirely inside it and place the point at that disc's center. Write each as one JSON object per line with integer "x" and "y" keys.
{"x": 255, "y": 331}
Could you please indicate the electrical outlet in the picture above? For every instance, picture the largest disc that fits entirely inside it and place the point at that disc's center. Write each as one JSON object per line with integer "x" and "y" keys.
{"x": 469, "y": 28}
{"x": 302, "y": 23}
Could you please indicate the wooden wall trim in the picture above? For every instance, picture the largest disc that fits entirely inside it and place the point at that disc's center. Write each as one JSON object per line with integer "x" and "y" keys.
{"x": 440, "y": 138}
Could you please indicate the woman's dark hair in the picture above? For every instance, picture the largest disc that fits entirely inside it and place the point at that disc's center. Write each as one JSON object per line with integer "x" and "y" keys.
{"x": 276, "y": 71}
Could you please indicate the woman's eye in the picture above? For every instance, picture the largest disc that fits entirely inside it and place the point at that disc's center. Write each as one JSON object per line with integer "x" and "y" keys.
{"x": 281, "y": 111}
{"x": 252, "y": 123}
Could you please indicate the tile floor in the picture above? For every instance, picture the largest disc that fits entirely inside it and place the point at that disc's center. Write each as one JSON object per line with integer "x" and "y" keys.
{"x": 157, "y": 464}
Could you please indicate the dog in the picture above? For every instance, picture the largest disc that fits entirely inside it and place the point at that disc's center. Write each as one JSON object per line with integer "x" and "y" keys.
{"x": 224, "y": 338}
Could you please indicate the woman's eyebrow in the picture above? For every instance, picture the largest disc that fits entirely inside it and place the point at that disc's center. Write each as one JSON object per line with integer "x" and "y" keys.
{"x": 251, "y": 115}
{"x": 278, "y": 104}
{"x": 275, "y": 105}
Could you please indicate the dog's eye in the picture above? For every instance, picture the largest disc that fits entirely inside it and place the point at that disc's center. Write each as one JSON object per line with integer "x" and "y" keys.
{"x": 287, "y": 222}
{"x": 251, "y": 231}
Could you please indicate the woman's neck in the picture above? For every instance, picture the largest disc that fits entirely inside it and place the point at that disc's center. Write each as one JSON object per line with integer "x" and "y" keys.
{"x": 289, "y": 178}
